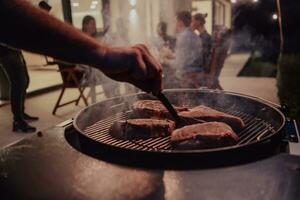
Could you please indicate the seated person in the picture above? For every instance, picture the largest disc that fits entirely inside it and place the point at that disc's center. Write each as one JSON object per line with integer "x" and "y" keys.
{"x": 163, "y": 46}
{"x": 188, "y": 59}
{"x": 164, "y": 40}
{"x": 198, "y": 26}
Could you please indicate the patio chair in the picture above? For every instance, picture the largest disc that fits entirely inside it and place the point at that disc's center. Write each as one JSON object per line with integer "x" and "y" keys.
{"x": 222, "y": 41}
{"x": 71, "y": 78}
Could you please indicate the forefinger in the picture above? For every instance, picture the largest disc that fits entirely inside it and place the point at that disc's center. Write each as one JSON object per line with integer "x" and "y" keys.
{"x": 154, "y": 69}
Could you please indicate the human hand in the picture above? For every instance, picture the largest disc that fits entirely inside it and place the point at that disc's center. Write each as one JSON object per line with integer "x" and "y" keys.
{"x": 134, "y": 65}
{"x": 167, "y": 53}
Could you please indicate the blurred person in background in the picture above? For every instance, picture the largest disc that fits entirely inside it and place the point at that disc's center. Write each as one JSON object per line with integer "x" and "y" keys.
{"x": 198, "y": 26}
{"x": 165, "y": 48}
{"x": 164, "y": 40}
{"x": 15, "y": 67}
{"x": 93, "y": 76}
{"x": 188, "y": 52}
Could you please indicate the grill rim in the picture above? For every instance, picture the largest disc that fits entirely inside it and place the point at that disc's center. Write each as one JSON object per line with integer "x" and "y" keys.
{"x": 192, "y": 151}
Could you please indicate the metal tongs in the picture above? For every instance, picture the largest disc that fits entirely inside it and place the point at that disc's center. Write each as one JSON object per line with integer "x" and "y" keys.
{"x": 178, "y": 120}
{"x": 165, "y": 101}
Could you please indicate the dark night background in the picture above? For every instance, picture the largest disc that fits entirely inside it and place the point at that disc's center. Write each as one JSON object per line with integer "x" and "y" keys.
{"x": 255, "y": 29}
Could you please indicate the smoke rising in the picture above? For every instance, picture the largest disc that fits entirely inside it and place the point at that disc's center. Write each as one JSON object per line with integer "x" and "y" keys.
{"x": 132, "y": 22}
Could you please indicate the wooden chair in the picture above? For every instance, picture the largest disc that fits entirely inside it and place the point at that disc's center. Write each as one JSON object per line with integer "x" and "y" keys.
{"x": 222, "y": 41}
{"x": 71, "y": 78}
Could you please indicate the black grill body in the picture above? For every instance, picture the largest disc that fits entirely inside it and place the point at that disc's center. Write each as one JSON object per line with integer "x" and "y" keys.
{"x": 260, "y": 138}
{"x": 50, "y": 165}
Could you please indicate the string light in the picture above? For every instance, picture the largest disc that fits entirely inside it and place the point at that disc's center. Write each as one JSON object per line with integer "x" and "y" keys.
{"x": 274, "y": 16}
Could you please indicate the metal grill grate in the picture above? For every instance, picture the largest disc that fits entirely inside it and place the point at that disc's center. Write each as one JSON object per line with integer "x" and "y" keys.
{"x": 255, "y": 130}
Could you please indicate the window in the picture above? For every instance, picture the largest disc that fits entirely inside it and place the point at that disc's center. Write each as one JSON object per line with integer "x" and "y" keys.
{"x": 81, "y": 8}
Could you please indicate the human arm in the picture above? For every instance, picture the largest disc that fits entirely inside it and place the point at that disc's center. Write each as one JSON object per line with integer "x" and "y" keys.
{"x": 29, "y": 28}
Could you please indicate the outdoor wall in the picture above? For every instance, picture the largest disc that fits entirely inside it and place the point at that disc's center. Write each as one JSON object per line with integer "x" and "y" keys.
{"x": 141, "y": 17}
{"x": 56, "y": 7}
{"x": 222, "y": 13}
{"x": 227, "y": 12}
{"x": 35, "y": 59}
{"x": 182, "y": 5}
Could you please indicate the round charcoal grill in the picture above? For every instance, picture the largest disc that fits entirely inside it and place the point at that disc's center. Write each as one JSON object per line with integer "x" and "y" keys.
{"x": 260, "y": 137}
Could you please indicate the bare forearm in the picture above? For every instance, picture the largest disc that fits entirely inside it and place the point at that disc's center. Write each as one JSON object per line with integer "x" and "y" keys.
{"x": 29, "y": 28}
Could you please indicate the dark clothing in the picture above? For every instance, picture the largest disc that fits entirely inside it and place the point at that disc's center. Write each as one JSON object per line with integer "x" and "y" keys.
{"x": 14, "y": 64}
{"x": 207, "y": 42}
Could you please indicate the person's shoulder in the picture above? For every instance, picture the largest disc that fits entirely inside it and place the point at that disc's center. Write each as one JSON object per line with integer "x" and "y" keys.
{"x": 207, "y": 35}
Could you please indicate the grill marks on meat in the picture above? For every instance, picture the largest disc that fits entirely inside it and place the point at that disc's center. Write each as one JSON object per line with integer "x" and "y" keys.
{"x": 141, "y": 128}
{"x": 217, "y": 131}
{"x": 209, "y": 115}
{"x": 205, "y": 135}
{"x": 153, "y": 109}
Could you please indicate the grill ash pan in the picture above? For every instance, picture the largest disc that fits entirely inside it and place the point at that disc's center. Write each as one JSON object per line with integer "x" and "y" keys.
{"x": 260, "y": 137}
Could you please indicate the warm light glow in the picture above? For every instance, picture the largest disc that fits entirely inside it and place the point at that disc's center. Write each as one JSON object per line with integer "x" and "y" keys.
{"x": 133, "y": 16}
{"x": 233, "y": 1}
{"x": 94, "y": 2}
{"x": 132, "y": 2}
{"x": 255, "y": 1}
{"x": 274, "y": 16}
{"x": 75, "y": 4}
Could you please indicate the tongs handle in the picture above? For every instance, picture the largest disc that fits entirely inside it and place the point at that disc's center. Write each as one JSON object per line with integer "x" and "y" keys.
{"x": 164, "y": 100}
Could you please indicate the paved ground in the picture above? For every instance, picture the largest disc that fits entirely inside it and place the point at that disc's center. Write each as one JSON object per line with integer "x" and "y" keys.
{"x": 261, "y": 87}
{"x": 39, "y": 106}
{"x": 42, "y": 105}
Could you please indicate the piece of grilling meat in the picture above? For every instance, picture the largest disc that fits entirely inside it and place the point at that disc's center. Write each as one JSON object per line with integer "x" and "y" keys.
{"x": 205, "y": 135}
{"x": 141, "y": 128}
{"x": 153, "y": 109}
{"x": 208, "y": 114}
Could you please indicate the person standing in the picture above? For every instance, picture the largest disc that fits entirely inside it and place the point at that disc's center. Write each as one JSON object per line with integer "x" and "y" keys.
{"x": 188, "y": 52}
{"x": 198, "y": 26}
{"x": 15, "y": 67}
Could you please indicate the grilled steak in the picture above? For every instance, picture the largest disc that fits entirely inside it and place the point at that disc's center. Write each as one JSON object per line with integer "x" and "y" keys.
{"x": 153, "y": 109}
{"x": 141, "y": 128}
{"x": 205, "y": 135}
{"x": 209, "y": 114}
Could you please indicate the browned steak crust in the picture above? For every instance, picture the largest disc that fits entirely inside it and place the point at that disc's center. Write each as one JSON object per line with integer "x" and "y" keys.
{"x": 209, "y": 114}
{"x": 153, "y": 109}
{"x": 141, "y": 128}
{"x": 205, "y": 135}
